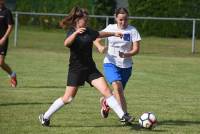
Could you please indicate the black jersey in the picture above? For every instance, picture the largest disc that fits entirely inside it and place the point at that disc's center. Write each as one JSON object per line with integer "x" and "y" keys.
{"x": 81, "y": 49}
{"x": 5, "y": 20}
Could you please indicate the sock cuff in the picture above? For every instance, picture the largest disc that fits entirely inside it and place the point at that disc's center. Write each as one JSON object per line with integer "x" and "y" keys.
{"x": 112, "y": 102}
{"x": 60, "y": 101}
{"x": 112, "y": 99}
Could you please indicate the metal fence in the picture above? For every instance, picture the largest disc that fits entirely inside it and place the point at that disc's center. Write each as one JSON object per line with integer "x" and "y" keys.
{"x": 192, "y": 20}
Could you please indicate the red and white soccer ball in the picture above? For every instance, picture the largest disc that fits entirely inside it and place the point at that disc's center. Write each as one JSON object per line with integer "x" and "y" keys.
{"x": 148, "y": 120}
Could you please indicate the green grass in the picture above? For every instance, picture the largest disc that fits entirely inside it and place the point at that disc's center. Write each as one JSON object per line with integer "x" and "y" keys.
{"x": 165, "y": 81}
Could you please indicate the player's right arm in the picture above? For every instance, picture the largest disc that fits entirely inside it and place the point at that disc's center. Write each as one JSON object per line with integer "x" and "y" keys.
{"x": 101, "y": 48}
{"x": 70, "y": 39}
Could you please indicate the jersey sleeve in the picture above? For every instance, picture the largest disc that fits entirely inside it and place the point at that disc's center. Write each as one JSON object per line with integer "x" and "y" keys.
{"x": 9, "y": 18}
{"x": 94, "y": 34}
{"x": 135, "y": 36}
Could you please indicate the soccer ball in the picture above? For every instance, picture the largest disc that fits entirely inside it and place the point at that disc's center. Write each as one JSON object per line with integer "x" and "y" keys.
{"x": 147, "y": 120}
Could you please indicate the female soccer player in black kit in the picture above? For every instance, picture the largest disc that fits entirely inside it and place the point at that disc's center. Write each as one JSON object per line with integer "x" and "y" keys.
{"x": 6, "y": 25}
{"x": 82, "y": 66}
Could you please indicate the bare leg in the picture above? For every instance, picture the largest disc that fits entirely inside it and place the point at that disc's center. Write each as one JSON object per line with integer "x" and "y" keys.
{"x": 70, "y": 92}
{"x": 102, "y": 86}
{"x": 119, "y": 94}
{"x": 4, "y": 66}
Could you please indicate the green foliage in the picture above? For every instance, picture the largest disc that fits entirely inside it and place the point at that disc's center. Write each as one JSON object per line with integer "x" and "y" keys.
{"x": 64, "y": 7}
{"x": 155, "y": 8}
{"x": 103, "y": 7}
{"x": 47, "y": 6}
{"x": 165, "y": 8}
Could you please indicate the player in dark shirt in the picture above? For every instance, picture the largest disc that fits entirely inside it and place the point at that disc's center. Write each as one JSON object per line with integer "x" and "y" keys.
{"x": 82, "y": 66}
{"x": 6, "y": 25}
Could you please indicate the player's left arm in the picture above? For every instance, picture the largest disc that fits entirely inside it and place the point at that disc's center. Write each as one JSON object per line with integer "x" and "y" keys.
{"x": 134, "y": 50}
{"x": 6, "y": 35}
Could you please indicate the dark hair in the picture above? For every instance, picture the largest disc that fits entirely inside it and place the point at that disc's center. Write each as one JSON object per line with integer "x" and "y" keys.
{"x": 121, "y": 10}
{"x": 75, "y": 14}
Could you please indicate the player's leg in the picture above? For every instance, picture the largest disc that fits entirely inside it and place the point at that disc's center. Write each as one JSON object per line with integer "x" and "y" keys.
{"x": 70, "y": 93}
{"x": 8, "y": 70}
{"x": 74, "y": 80}
{"x": 118, "y": 78}
{"x": 125, "y": 74}
{"x": 119, "y": 94}
{"x": 113, "y": 76}
{"x": 4, "y": 66}
{"x": 102, "y": 86}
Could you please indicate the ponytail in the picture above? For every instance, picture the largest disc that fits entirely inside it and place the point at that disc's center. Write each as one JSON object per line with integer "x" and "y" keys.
{"x": 75, "y": 14}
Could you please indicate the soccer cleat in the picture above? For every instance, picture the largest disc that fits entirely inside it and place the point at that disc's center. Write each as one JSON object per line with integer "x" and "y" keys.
{"x": 104, "y": 107}
{"x": 44, "y": 122}
{"x": 126, "y": 119}
{"x": 13, "y": 80}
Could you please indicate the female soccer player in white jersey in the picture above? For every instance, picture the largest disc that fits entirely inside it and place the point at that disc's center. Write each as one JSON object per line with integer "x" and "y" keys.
{"x": 82, "y": 67}
{"x": 118, "y": 60}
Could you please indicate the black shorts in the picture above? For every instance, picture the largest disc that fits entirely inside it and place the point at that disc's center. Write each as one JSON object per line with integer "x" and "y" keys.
{"x": 4, "y": 48}
{"x": 78, "y": 77}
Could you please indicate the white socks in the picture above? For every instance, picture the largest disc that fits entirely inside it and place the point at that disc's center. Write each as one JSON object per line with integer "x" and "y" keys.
{"x": 53, "y": 108}
{"x": 13, "y": 74}
{"x": 112, "y": 102}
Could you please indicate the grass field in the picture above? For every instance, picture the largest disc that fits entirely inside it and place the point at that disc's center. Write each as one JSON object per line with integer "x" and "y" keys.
{"x": 165, "y": 81}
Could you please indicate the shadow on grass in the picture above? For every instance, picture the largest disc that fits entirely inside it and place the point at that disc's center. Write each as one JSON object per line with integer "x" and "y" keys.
{"x": 166, "y": 122}
{"x": 23, "y": 103}
{"x": 34, "y": 87}
{"x": 85, "y": 126}
{"x": 135, "y": 127}
{"x": 59, "y": 87}
{"x": 178, "y": 122}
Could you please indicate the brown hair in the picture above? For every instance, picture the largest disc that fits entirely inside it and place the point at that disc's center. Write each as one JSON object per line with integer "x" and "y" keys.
{"x": 75, "y": 14}
{"x": 121, "y": 10}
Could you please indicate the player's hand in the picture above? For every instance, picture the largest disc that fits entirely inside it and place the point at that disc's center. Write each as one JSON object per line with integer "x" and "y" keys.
{"x": 118, "y": 34}
{"x": 80, "y": 30}
{"x": 121, "y": 54}
{"x": 103, "y": 49}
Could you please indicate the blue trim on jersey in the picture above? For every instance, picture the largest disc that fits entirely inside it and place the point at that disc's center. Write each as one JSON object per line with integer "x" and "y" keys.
{"x": 113, "y": 73}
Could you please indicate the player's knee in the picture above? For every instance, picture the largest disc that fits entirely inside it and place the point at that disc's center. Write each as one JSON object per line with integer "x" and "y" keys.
{"x": 68, "y": 100}
{"x": 107, "y": 92}
{"x": 117, "y": 86}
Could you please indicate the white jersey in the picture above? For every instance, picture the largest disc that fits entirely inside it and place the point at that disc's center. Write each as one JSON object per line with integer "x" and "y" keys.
{"x": 117, "y": 44}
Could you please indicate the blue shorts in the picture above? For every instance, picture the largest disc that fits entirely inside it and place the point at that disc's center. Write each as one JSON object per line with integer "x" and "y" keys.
{"x": 113, "y": 73}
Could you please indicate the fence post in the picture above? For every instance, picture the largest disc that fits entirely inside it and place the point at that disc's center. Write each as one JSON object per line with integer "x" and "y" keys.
{"x": 16, "y": 29}
{"x": 193, "y": 36}
{"x": 107, "y": 22}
